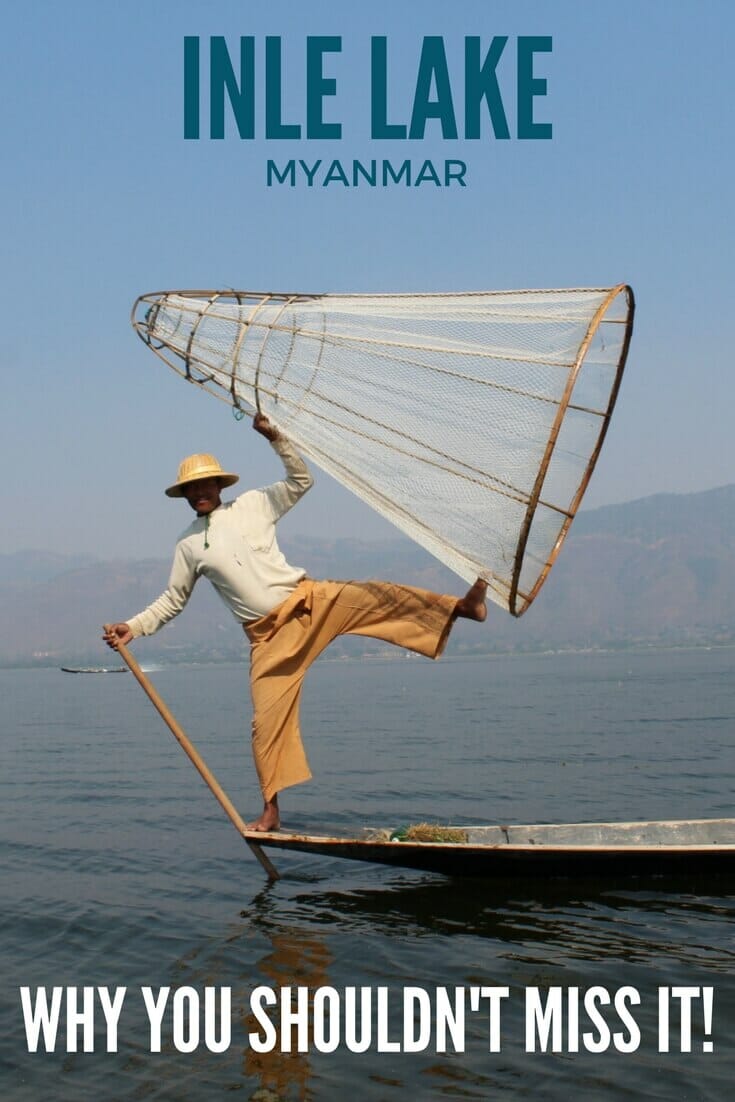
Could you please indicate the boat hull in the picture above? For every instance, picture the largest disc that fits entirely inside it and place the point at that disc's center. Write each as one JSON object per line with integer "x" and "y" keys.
{"x": 549, "y": 850}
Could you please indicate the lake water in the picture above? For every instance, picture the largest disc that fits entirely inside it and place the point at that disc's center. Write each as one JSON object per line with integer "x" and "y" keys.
{"x": 117, "y": 868}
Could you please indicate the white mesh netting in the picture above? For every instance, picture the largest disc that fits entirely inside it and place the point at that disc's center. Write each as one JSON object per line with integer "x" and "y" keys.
{"x": 472, "y": 421}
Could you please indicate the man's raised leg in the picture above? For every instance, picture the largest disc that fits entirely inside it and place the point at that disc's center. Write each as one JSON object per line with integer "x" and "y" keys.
{"x": 472, "y": 606}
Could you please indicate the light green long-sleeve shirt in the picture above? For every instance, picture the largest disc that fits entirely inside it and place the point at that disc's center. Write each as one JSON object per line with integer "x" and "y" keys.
{"x": 242, "y": 560}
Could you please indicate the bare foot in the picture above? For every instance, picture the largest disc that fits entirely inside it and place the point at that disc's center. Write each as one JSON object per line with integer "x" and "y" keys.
{"x": 472, "y": 606}
{"x": 270, "y": 819}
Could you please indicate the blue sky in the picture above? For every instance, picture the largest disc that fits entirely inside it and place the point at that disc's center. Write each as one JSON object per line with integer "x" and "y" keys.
{"x": 102, "y": 199}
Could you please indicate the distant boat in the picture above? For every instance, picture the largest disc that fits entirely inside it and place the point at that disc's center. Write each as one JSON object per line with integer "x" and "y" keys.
{"x": 94, "y": 669}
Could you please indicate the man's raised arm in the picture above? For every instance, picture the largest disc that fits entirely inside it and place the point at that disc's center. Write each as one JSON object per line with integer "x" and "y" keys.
{"x": 286, "y": 493}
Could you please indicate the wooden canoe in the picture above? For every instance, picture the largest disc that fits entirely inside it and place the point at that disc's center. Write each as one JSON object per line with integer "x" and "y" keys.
{"x": 564, "y": 849}
{"x": 567, "y": 849}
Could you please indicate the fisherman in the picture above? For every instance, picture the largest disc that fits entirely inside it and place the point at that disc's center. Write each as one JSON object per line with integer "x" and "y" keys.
{"x": 288, "y": 618}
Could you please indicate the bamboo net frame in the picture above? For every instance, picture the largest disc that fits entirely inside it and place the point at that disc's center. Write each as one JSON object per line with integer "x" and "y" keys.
{"x": 473, "y": 421}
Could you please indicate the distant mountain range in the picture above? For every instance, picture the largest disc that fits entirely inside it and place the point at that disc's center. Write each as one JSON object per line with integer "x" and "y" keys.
{"x": 658, "y": 571}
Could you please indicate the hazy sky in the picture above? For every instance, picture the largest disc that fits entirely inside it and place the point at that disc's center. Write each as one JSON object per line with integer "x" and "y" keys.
{"x": 102, "y": 199}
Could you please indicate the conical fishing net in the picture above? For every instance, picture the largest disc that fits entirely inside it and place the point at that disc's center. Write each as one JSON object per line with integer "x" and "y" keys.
{"x": 471, "y": 421}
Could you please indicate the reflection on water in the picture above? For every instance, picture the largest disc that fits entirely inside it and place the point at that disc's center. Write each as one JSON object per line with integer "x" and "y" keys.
{"x": 296, "y": 959}
{"x": 587, "y": 919}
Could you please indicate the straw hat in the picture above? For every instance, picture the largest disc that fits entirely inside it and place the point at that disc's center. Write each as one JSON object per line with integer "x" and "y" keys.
{"x": 199, "y": 466}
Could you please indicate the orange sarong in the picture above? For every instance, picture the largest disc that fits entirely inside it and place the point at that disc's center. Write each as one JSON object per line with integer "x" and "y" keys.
{"x": 286, "y": 641}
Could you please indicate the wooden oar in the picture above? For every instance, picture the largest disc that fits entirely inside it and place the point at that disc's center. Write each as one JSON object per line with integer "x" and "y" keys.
{"x": 187, "y": 745}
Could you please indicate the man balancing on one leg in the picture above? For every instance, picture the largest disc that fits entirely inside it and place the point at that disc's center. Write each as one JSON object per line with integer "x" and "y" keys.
{"x": 288, "y": 618}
